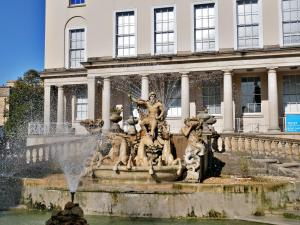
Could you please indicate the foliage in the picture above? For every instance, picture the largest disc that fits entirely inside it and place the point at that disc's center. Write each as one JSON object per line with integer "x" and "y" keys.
{"x": 25, "y": 105}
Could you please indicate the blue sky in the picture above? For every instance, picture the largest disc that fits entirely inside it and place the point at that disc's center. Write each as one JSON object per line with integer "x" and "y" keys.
{"x": 21, "y": 37}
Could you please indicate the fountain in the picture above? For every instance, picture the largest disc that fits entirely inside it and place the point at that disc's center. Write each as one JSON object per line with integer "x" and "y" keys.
{"x": 146, "y": 156}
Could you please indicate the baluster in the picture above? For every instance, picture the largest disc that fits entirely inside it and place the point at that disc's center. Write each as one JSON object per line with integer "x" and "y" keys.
{"x": 53, "y": 150}
{"x": 220, "y": 140}
{"x": 41, "y": 154}
{"x": 47, "y": 150}
{"x": 248, "y": 145}
{"x": 242, "y": 144}
{"x": 234, "y": 144}
{"x": 298, "y": 151}
{"x": 267, "y": 147}
{"x": 34, "y": 155}
{"x": 228, "y": 144}
{"x": 28, "y": 155}
{"x": 275, "y": 151}
{"x": 282, "y": 152}
{"x": 289, "y": 151}
{"x": 255, "y": 149}
{"x": 261, "y": 148}
{"x": 295, "y": 151}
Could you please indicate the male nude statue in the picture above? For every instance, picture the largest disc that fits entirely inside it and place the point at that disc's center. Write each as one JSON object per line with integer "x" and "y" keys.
{"x": 155, "y": 112}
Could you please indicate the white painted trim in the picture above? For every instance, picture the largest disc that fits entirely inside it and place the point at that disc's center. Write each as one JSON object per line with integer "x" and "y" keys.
{"x": 260, "y": 27}
{"x": 200, "y": 2}
{"x": 114, "y": 55}
{"x": 152, "y": 28}
{"x": 67, "y": 45}
{"x": 280, "y": 18}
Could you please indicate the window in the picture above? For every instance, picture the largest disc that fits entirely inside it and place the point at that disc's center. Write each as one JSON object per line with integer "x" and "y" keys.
{"x": 81, "y": 104}
{"x": 77, "y": 48}
{"x": 204, "y": 27}
{"x": 164, "y": 32}
{"x": 211, "y": 94}
{"x": 77, "y": 2}
{"x": 291, "y": 93}
{"x": 251, "y": 94}
{"x": 172, "y": 97}
{"x": 291, "y": 21}
{"x": 125, "y": 34}
{"x": 247, "y": 24}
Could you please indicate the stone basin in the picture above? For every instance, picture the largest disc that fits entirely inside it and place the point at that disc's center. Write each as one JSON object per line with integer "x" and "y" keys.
{"x": 137, "y": 173}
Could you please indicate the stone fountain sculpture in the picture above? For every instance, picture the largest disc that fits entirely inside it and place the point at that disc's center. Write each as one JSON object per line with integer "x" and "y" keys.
{"x": 202, "y": 139}
{"x": 148, "y": 150}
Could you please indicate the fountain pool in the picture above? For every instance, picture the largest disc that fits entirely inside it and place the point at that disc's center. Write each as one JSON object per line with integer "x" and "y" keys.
{"x": 38, "y": 218}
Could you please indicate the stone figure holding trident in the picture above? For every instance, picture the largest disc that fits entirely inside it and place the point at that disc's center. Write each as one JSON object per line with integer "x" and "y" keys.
{"x": 155, "y": 112}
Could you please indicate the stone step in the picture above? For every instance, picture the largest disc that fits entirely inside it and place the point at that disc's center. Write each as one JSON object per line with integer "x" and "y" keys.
{"x": 290, "y": 165}
{"x": 266, "y": 160}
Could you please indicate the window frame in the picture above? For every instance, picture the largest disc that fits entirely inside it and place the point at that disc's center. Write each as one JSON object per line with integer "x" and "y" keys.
{"x": 260, "y": 27}
{"x": 193, "y": 22}
{"x": 153, "y": 53}
{"x": 114, "y": 51}
{"x": 284, "y": 94}
{"x": 280, "y": 23}
{"x": 178, "y": 108}
{"x": 79, "y": 93}
{"x": 220, "y": 82}
{"x": 67, "y": 46}
{"x": 76, "y": 5}
{"x": 241, "y": 99}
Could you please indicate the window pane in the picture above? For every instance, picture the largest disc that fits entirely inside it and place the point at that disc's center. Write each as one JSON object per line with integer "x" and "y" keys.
{"x": 248, "y": 22}
{"x": 204, "y": 27}
{"x": 251, "y": 94}
{"x": 125, "y": 33}
{"x": 164, "y": 30}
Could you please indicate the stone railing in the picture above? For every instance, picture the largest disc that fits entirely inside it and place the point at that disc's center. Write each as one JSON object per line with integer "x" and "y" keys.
{"x": 260, "y": 145}
{"x": 50, "y": 152}
{"x": 38, "y": 129}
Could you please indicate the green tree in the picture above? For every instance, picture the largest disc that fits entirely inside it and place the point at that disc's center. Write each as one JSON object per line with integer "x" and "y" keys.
{"x": 26, "y": 103}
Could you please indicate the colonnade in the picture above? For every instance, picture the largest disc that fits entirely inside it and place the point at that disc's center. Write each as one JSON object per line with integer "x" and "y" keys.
{"x": 228, "y": 106}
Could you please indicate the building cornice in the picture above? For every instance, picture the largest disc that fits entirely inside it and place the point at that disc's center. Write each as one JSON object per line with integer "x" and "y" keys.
{"x": 182, "y": 58}
{"x": 62, "y": 72}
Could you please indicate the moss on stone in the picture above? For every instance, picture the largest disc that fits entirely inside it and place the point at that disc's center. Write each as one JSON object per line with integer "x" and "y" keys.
{"x": 291, "y": 216}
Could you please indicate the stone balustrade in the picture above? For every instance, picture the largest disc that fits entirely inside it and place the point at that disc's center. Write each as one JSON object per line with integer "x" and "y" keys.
{"x": 260, "y": 145}
{"x": 50, "y": 152}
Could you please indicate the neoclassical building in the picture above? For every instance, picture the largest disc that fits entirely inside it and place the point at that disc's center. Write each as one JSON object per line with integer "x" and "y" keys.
{"x": 239, "y": 59}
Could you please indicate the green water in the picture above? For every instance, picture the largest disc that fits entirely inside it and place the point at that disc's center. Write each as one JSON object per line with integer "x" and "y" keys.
{"x": 39, "y": 218}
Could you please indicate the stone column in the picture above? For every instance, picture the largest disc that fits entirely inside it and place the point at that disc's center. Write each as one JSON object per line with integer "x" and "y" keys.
{"x": 91, "y": 98}
{"x": 106, "y": 104}
{"x": 145, "y": 87}
{"x": 47, "y": 108}
{"x": 73, "y": 107}
{"x": 60, "y": 107}
{"x": 228, "y": 103}
{"x": 185, "y": 96}
{"x": 273, "y": 100}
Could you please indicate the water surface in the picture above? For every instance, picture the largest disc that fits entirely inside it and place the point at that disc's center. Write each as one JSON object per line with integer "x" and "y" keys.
{"x": 39, "y": 218}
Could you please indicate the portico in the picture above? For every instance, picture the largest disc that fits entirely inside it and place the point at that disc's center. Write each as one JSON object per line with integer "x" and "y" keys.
{"x": 264, "y": 108}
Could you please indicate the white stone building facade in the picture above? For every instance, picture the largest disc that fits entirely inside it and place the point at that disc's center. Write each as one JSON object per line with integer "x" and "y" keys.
{"x": 240, "y": 59}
